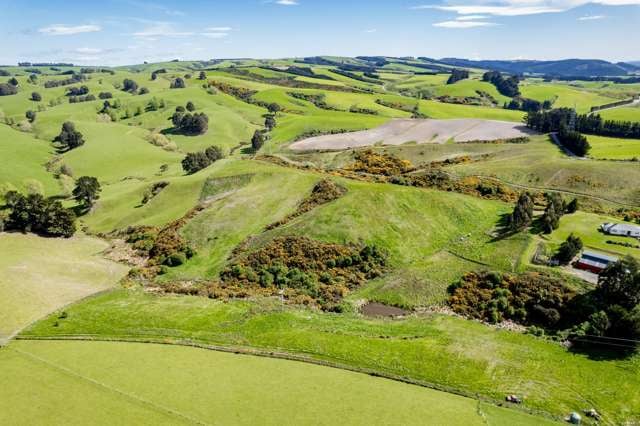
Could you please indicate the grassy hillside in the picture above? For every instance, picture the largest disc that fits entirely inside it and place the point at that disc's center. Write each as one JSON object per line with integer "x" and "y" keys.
{"x": 39, "y": 275}
{"x": 564, "y": 96}
{"x": 24, "y": 162}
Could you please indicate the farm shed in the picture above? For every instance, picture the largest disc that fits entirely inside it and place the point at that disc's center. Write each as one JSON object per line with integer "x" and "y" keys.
{"x": 594, "y": 262}
{"x": 623, "y": 229}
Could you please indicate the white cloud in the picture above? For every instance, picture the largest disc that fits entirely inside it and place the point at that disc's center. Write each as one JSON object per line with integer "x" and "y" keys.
{"x": 59, "y": 29}
{"x": 591, "y": 17}
{"x": 370, "y": 31}
{"x": 161, "y": 29}
{"x": 521, "y": 7}
{"x": 215, "y": 35}
{"x": 88, "y": 50}
{"x": 287, "y": 2}
{"x": 218, "y": 29}
{"x": 463, "y": 24}
{"x": 471, "y": 17}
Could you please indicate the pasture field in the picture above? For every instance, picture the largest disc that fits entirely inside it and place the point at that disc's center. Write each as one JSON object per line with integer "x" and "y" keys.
{"x": 613, "y": 148}
{"x": 622, "y": 113}
{"x": 39, "y": 275}
{"x": 563, "y": 95}
{"x": 154, "y": 383}
{"x": 28, "y": 157}
{"x": 442, "y": 350}
{"x": 431, "y": 238}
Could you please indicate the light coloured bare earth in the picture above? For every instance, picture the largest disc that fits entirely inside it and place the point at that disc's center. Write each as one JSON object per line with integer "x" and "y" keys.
{"x": 39, "y": 275}
{"x": 397, "y": 132}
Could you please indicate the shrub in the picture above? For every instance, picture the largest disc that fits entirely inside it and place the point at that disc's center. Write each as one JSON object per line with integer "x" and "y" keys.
{"x": 36, "y": 97}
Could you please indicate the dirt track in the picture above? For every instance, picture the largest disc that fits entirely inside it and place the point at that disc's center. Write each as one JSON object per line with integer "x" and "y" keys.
{"x": 397, "y": 132}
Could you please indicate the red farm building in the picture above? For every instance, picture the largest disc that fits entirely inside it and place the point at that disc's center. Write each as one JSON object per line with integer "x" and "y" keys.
{"x": 594, "y": 262}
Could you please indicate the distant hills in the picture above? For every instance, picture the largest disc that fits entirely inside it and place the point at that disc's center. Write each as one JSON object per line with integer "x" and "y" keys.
{"x": 564, "y": 67}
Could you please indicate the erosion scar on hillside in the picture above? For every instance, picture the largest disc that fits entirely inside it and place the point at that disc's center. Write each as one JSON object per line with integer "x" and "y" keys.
{"x": 399, "y": 131}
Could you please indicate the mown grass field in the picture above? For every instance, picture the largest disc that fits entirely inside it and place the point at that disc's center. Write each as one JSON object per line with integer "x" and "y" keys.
{"x": 38, "y": 275}
{"x": 442, "y": 350}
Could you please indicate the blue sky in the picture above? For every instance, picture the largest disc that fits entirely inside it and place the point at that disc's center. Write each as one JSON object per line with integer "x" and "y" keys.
{"x": 118, "y": 32}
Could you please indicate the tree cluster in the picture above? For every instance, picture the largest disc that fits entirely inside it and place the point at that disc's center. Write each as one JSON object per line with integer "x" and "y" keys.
{"x": 506, "y": 86}
{"x": 574, "y": 141}
{"x": 75, "y": 78}
{"x": 36, "y": 97}
{"x": 77, "y": 91}
{"x": 7, "y": 89}
{"x": 130, "y": 86}
{"x": 553, "y": 212}
{"x": 85, "y": 98}
{"x": 34, "y": 213}
{"x": 190, "y": 124}
{"x": 522, "y": 215}
{"x": 457, "y": 75}
{"x": 69, "y": 138}
{"x": 257, "y": 140}
{"x": 528, "y": 105}
{"x": 569, "y": 249}
{"x": 553, "y": 120}
{"x": 196, "y": 161}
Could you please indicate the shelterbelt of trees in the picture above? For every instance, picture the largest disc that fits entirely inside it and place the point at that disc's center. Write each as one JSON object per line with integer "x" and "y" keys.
{"x": 555, "y": 119}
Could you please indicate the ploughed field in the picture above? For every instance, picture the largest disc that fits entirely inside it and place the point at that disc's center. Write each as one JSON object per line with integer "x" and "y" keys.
{"x": 400, "y": 131}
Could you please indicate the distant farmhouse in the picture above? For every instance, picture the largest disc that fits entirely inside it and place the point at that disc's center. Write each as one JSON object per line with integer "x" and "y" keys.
{"x": 594, "y": 262}
{"x": 622, "y": 229}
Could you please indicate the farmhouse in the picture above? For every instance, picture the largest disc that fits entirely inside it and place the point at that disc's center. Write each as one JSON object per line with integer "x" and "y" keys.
{"x": 594, "y": 262}
{"x": 623, "y": 229}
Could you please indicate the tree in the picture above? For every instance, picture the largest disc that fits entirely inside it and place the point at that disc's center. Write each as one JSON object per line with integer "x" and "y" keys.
{"x": 274, "y": 108}
{"x": 87, "y": 191}
{"x": 178, "y": 83}
{"x": 36, "y": 97}
{"x": 572, "y": 207}
{"x": 270, "y": 122}
{"x": 257, "y": 140}
{"x": 31, "y": 116}
{"x": 619, "y": 284}
{"x": 522, "y": 213}
{"x": 214, "y": 153}
{"x": 550, "y": 220}
{"x": 33, "y": 78}
{"x": 202, "y": 75}
{"x": 13, "y": 81}
{"x": 143, "y": 91}
{"x": 188, "y": 124}
{"x": 129, "y": 85}
{"x": 195, "y": 161}
{"x": 190, "y": 106}
{"x": 569, "y": 249}
{"x": 69, "y": 138}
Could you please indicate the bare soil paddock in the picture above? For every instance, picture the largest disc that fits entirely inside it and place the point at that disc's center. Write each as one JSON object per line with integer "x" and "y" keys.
{"x": 397, "y": 132}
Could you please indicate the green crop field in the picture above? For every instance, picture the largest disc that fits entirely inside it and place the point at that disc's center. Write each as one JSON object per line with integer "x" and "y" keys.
{"x": 38, "y": 275}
